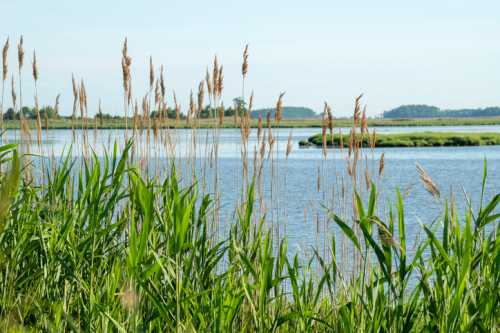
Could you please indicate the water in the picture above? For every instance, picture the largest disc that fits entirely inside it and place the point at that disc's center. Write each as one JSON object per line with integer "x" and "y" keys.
{"x": 299, "y": 204}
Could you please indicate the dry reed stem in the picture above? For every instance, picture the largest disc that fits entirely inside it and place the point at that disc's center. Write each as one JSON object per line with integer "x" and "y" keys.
{"x": 177, "y": 111}
{"x": 367, "y": 175}
{"x": 221, "y": 114}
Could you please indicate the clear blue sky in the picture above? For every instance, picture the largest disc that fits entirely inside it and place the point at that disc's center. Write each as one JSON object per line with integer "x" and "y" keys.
{"x": 445, "y": 52}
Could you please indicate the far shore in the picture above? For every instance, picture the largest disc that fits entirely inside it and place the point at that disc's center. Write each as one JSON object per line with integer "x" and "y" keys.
{"x": 229, "y": 122}
{"x": 420, "y": 139}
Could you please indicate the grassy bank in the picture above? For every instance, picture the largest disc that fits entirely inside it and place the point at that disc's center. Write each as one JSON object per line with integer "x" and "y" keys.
{"x": 229, "y": 122}
{"x": 102, "y": 248}
{"x": 424, "y": 139}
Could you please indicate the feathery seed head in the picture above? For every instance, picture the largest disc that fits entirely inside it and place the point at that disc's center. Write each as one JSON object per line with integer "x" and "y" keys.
{"x": 20, "y": 53}
{"x": 5, "y": 65}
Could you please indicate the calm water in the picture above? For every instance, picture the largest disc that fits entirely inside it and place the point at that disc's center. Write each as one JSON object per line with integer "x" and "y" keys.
{"x": 299, "y": 204}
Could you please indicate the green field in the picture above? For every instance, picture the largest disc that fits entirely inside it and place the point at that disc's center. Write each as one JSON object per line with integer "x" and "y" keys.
{"x": 64, "y": 123}
{"x": 423, "y": 139}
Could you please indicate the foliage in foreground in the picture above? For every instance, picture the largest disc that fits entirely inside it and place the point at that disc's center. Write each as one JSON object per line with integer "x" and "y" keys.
{"x": 104, "y": 249}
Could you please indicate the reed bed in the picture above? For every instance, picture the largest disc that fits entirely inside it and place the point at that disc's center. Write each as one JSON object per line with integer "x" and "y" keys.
{"x": 138, "y": 239}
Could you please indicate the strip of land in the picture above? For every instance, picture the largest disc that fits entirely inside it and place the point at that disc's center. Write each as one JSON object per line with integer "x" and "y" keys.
{"x": 229, "y": 122}
{"x": 421, "y": 139}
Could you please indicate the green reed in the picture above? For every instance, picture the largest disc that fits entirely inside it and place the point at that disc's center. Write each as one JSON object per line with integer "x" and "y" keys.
{"x": 102, "y": 247}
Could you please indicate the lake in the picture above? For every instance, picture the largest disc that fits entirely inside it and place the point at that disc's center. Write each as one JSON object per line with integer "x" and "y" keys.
{"x": 297, "y": 202}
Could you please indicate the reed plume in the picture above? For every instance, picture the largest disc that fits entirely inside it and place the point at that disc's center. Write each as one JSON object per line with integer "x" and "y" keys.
{"x": 428, "y": 183}
{"x": 162, "y": 83}
{"x": 177, "y": 111}
{"x": 37, "y": 110}
{"x": 151, "y": 73}
{"x": 244, "y": 66}
{"x": 13, "y": 93}
{"x": 75, "y": 105}
{"x": 35, "y": 67}
{"x": 357, "y": 110}
{"x": 220, "y": 82}
{"x": 201, "y": 96}
{"x": 330, "y": 120}
{"x": 381, "y": 165}
{"x": 215, "y": 75}
{"x": 5, "y": 70}
{"x": 192, "y": 108}
{"x": 279, "y": 108}
{"x": 20, "y": 62}
{"x": 208, "y": 81}
{"x": 289, "y": 145}
{"x": 5, "y": 65}
{"x": 20, "y": 53}
{"x": 126, "y": 63}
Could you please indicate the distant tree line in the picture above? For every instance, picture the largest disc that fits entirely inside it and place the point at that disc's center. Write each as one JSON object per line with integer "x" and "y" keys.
{"x": 289, "y": 112}
{"x": 30, "y": 113}
{"x": 238, "y": 108}
{"x": 428, "y": 111}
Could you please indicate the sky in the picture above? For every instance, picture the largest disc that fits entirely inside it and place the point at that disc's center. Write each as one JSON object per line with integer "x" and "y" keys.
{"x": 440, "y": 52}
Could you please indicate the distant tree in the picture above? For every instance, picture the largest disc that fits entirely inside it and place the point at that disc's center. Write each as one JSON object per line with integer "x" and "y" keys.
{"x": 427, "y": 111}
{"x": 239, "y": 106}
{"x": 28, "y": 112}
{"x": 289, "y": 112}
{"x": 10, "y": 114}
{"x": 48, "y": 111}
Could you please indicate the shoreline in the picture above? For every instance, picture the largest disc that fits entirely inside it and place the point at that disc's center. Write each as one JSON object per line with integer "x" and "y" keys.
{"x": 285, "y": 123}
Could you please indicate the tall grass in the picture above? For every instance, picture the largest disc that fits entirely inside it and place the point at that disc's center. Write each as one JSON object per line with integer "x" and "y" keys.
{"x": 103, "y": 248}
